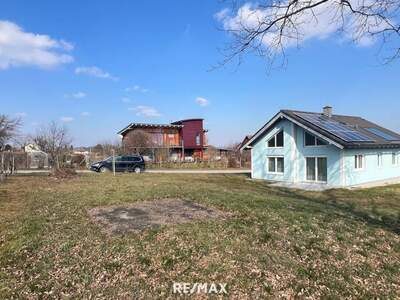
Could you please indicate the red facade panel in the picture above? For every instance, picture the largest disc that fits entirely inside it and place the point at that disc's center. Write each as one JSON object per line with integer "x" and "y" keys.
{"x": 193, "y": 134}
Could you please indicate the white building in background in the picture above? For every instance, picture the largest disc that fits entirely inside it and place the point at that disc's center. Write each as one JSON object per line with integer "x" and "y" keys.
{"x": 37, "y": 159}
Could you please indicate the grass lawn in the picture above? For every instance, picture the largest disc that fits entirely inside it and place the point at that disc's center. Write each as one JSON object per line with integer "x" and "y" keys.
{"x": 276, "y": 243}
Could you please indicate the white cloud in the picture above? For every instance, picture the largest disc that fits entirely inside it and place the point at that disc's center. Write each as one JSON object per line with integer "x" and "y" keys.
{"x": 136, "y": 88}
{"x": 145, "y": 111}
{"x": 66, "y": 119}
{"x": 21, "y": 114}
{"x": 21, "y": 48}
{"x": 77, "y": 95}
{"x": 202, "y": 101}
{"x": 126, "y": 100}
{"x": 222, "y": 14}
{"x": 95, "y": 72}
{"x": 320, "y": 23}
{"x": 85, "y": 114}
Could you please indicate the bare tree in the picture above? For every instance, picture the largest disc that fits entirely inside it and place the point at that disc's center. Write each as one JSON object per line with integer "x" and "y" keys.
{"x": 54, "y": 140}
{"x": 271, "y": 27}
{"x": 110, "y": 147}
{"x": 98, "y": 148}
{"x": 8, "y": 129}
{"x": 138, "y": 141}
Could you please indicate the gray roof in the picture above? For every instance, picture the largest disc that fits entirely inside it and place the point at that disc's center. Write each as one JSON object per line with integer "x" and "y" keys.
{"x": 355, "y": 123}
{"x": 147, "y": 125}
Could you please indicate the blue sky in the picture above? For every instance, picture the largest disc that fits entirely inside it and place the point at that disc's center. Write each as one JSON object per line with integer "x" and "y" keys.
{"x": 118, "y": 62}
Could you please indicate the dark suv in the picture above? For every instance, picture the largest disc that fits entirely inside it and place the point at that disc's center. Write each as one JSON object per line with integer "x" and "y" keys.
{"x": 124, "y": 163}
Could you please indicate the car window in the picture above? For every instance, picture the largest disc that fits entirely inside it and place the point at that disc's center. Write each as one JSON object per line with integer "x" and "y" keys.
{"x": 132, "y": 158}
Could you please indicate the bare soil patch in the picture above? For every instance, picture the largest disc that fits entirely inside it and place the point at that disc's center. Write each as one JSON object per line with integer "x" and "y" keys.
{"x": 152, "y": 214}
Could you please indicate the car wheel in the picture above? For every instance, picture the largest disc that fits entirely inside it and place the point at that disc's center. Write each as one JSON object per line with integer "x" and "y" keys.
{"x": 137, "y": 170}
{"x": 103, "y": 170}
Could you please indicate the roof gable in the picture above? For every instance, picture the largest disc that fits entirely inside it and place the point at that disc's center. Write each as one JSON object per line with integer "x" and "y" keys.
{"x": 282, "y": 115}
{"x": 359, "y": 133}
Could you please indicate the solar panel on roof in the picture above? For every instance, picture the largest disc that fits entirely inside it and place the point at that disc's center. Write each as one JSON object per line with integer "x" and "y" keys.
{"x": 334, "y": 127}
{"x": 382, "y": 134}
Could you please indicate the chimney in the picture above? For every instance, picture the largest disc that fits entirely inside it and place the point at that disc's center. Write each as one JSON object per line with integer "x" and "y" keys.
{"x": 327, "y": 111}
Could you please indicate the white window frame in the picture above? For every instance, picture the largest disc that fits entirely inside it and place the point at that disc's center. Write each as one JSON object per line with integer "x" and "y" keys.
{"x": 357, "y": 162}
{"x": 275, "y": 157}
{"x": 198, "y": 139}
{"x": 315, "y": 139}
{"x": 275, "y": 137}
{"x": 316, "y": 168}
{"x": 379, "y": 160}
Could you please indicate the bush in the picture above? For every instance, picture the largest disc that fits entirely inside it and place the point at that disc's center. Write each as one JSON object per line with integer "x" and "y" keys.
{"x": 232, "y": 162}
{"x": 63, "y": 173}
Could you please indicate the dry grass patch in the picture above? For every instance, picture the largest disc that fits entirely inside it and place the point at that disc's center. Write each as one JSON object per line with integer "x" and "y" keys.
{"x": 280, "y": 243}
{"x": 151, "y": 214}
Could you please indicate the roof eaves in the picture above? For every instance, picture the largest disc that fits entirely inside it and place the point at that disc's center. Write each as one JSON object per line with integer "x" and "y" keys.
{"x": 321, "y": 134}
{"x": 132, "y": 125}
{"x": 124, "y": 129}
{"x": 350, "y": 145}
{"x": 284, "y": 114}
{"x": 261, "y": 130}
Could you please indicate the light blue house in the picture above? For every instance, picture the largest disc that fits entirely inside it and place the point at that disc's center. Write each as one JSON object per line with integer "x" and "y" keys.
{"x": 322, "y": 148}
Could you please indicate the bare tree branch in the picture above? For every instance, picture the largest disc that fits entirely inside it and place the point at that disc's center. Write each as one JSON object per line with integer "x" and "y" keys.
{"x": 8, "y": 129}
{"x": 269, "y": 28}
{"x": 54, "y": 140}
{"x": 138, "y": 141}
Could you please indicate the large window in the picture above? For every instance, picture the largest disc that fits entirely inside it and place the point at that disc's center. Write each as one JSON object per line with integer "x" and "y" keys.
{"x": 276, "y": 140}
{"x": 310, "y": 166}
{"x": 359, "y": 162}
{"x": 317, "y": 169}
{"x": 276, "y": 165}
{"x": 198, "y": 139}
{"x": 311, "y": 140}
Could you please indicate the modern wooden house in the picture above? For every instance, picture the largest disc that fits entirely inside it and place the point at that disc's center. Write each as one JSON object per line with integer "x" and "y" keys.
{"x": 184, "y": 139}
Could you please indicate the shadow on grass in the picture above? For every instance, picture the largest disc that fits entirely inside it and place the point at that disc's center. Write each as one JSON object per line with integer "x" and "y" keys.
{"x": 328, "y": 202}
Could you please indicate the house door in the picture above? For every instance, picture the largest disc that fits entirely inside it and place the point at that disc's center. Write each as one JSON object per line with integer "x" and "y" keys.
{"x": 317, "y": 169}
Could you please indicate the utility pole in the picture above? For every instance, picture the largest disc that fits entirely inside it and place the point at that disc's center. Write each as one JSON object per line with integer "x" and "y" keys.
{"x": 13, "y": 164}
